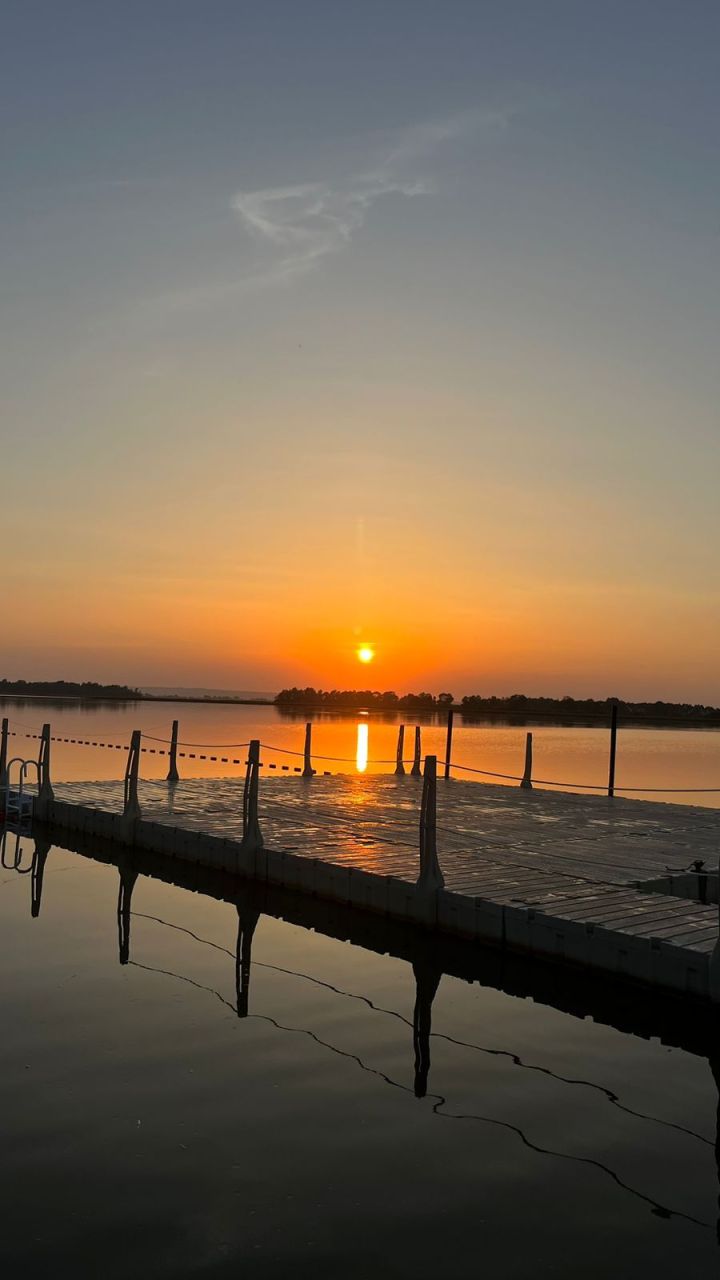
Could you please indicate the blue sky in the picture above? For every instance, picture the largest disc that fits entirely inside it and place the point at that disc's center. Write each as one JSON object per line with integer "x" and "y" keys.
{"x": 315, "y": 312}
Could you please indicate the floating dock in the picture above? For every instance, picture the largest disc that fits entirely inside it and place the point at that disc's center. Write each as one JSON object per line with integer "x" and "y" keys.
{"x": 622, "y": 887}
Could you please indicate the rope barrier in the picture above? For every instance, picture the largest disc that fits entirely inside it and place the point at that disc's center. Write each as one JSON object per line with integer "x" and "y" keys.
{"x": 516, "y": 777}
{"x": 408, "y": 760}
{"x": 585, "y": 786}
{"x": 209, "y": 746}
{"x": 454, "y": 764}
{"x": 669, "y": 790}
{"x": 336, "y": 759}
{"x": 101, "y": 733}
{"x": 285, "y": 751}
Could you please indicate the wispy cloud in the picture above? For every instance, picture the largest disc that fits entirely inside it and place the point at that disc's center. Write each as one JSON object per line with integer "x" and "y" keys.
{"x": 295, "y": 228}
{"x": 306, "y": 223}
{"x": 302, "y": 224}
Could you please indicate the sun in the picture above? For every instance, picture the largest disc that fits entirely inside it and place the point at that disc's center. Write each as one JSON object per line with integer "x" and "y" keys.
{"x": 365, "y": 653}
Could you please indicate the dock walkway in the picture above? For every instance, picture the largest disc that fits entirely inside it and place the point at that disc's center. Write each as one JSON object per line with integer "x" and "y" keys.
{"x": 589, "y": 880}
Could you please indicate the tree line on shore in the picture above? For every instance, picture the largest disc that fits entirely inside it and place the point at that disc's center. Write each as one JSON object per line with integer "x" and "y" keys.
{"x": 369, "y": 699}
{"x": 516, "y": 703}
{"x": 66, "y": 689}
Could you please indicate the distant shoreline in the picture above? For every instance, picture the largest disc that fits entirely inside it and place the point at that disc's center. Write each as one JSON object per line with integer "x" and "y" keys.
{"x": 109, "y": 699}
{"x": 600, "y": 719}
{"x": 515, "y": 716}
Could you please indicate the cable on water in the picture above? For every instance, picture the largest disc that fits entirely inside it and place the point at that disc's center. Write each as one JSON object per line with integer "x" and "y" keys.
{"x": 409, "y": 760}
{"x": 209, "y": 746}
{"x": 285, "y": 751}
{"x": 487, "y": 773}
{"x": 439, "y": 1100}
{"x": 585, "y": 786}
{"x": 665, "y": 790}
{"x": 491, "y": 1051}
{"x": 65, "y": 730}
{"x": 337, "y": 759}
{"x": 21, "y": 725}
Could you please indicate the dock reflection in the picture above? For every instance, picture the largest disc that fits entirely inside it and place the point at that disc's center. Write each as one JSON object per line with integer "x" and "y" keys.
{"x": 694, "y": 1028}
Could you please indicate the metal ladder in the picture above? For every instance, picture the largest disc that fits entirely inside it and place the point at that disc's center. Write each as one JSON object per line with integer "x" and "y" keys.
{"x": 17, "y": 816}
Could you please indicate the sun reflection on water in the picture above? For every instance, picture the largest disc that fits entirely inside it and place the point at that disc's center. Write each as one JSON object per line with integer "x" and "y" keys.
{"x": 361, "y": 755}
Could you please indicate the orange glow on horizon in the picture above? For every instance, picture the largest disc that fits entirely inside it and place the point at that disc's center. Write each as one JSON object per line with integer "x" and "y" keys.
{"x": 549, "y": 637}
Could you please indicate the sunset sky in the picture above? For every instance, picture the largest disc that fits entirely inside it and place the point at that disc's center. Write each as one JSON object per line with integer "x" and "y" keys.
{"x": 384, "y": 322}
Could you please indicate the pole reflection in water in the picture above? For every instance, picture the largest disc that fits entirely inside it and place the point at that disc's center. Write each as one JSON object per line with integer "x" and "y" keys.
{"x": 128, "y": 876}
{"x": 362, "y": 748}
{"x": 12, "y": 848}
{"x": 427, "y": 963}
{"x": 427, "y": 981}
{"x": 247, "y": 922}
{"x": 42, "y": 849}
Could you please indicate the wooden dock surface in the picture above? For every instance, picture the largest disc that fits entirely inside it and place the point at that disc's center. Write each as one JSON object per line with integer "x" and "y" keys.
{"x": 586, "y": 879}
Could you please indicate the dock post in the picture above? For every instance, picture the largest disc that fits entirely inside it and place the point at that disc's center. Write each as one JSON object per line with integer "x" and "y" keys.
{"x": 131, "y": 804}
{"x": 448, "y": 743}
{"x": 526, "y": 782}
{"x": 399, "y": 766}
{"x": 613, "y": 749}
{"x": 45, "y": 791}
{"x": 431, "y": 877}
{"x": 4, "y": 752}
{"x": 416, "y": 771}
{"x": 173, "y": 775}
{"x": 252, "y": 835}
{"x": 308, "y": 771}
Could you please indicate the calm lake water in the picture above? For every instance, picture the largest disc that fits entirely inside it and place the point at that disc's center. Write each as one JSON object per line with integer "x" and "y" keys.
{"x": 150, "y": 1131}
{"x": 647, "y": 757}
